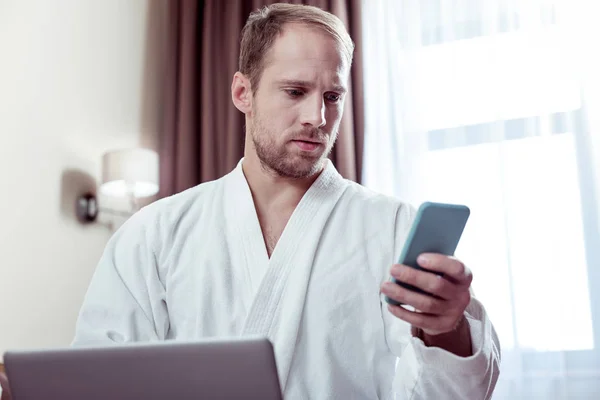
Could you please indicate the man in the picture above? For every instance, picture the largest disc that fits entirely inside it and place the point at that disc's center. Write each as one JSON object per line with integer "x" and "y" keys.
{"x": 284, "y": 247}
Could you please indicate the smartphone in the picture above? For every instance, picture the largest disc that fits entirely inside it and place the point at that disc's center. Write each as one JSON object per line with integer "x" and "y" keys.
{"x": 437, "y": 228}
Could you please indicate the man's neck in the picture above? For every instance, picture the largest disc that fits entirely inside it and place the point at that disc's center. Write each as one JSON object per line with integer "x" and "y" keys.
{"x": 269, "y": 190}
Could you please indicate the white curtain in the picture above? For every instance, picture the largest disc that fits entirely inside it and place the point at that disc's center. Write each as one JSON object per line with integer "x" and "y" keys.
{"x": 496, "y": 104}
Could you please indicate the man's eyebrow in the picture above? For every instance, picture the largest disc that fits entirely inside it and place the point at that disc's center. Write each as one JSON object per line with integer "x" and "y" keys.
{"x": 307, "y": 84}
{"x": 340, "y": 89}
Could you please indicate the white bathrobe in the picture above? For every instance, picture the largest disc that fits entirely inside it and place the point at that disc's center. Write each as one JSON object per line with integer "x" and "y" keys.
{"x": 194, "y": 265}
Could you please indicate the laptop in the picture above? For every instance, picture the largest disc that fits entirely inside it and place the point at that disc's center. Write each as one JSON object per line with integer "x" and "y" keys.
{"x": 210, "y": 369}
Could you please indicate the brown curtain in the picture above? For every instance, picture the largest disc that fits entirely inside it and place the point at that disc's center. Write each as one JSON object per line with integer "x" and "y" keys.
{"x": 203, "y": 137}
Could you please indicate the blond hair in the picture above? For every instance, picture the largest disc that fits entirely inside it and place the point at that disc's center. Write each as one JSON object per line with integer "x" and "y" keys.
{"x": 265, "y": 24}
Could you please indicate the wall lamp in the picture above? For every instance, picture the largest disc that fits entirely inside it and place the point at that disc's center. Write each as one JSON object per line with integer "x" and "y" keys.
{"x": 128, "y": 173}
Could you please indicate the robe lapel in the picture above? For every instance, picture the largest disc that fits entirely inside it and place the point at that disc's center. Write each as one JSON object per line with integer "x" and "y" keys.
{"x": 276, "y": 310}
{"x": 243, "y": 228}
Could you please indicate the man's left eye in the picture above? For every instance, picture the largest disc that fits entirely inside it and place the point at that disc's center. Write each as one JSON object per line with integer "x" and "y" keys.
{"x": 333, "y": 98}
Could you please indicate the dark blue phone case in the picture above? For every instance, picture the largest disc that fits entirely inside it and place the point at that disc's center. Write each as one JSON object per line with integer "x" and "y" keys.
{"x": 437, "y": 228}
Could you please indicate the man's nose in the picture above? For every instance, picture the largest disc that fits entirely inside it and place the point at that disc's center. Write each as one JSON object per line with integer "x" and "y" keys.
{"x": 313, "y": 113}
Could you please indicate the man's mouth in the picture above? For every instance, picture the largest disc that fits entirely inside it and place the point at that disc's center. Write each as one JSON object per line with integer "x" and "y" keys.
{"x": 307, "y": 145}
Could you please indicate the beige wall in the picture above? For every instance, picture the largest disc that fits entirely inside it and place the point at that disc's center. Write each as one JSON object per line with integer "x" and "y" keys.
{"x": 77, "y": 77}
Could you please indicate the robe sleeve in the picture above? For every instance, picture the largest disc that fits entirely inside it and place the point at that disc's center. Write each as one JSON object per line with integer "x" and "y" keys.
{"x": 125, "y": 301}
{"x": 433, "y": 373}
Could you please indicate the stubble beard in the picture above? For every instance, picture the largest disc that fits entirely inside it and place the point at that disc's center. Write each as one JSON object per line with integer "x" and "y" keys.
{"x": 282, "y": 162}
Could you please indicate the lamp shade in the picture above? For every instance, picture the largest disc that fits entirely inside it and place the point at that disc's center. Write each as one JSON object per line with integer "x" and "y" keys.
{"x": 130, "y": 172}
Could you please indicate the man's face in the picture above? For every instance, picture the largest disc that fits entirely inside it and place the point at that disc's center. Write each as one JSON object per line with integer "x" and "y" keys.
{"x": 297, "y": 107}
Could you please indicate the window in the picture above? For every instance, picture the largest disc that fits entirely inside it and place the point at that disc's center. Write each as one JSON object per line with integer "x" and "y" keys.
{"x": 509, "y": 147}
{"x": 481, "y": 103}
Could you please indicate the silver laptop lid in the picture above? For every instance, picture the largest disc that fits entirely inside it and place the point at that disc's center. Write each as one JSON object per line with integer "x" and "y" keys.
{"x": 208, "y": 369}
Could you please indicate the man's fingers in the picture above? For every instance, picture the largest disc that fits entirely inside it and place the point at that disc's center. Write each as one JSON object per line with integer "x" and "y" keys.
{"x": 431, "y": 283}
{"x": 422, "y": 302}
{"x": 438, "y": 314}
{"x": 449, "y": 266}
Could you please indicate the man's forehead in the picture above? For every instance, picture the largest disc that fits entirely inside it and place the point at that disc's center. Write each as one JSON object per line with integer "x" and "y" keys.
{"x": 304, "y": 73}
{"x": 304, "y": 45}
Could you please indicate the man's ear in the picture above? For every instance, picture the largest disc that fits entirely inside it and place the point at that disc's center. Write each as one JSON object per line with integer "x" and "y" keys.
{"x": 241, "y": 92}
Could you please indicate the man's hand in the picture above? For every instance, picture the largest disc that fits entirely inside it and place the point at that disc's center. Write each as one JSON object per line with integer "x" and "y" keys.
{"x": 4, "y": 385}
{"x": 435, "y": 316}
